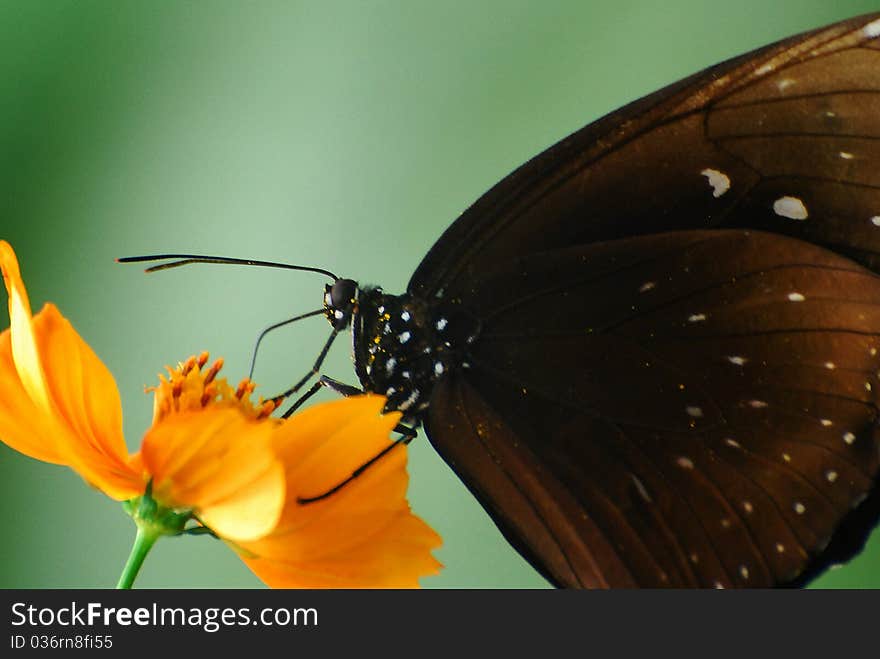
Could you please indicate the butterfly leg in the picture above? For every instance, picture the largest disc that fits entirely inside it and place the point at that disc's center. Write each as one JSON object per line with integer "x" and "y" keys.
{"x": 334, "y": 385}
{"x": 312, "y": 373}
{"x": 272, "y": 328}
{"x": 344, "y": 390}
{"x": 407, "y": 435}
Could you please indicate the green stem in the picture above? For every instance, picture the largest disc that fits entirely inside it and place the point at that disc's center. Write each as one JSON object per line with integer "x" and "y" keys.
{"x": 143, "y": 542}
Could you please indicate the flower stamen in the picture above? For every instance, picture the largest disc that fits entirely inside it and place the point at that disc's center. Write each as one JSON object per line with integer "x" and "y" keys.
{"x": 245, "y": 388}
{"x": 176, "y": 390}
{"x": 188, "y": 388}
{"x": 266, "y": 408}
{"x": 209, "y": 394}
{"x": 188, "y": 365}
{"x": 212, "y": 372}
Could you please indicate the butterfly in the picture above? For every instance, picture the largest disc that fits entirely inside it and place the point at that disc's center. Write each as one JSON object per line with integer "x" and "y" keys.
{"x": 652, "y": 351}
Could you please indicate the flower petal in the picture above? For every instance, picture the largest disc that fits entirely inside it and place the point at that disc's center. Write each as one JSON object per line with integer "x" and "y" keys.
{"x": 221, "y": 464}
{"x": 24, "y": 426}
{"x": 86, "y": 401}
{"x": 395, "y": 557}
{"x": 24, "y": 344}
{"x": 361, "y": 536}
{"x": 80, "y": 385}
{"x": 60, "y": 402}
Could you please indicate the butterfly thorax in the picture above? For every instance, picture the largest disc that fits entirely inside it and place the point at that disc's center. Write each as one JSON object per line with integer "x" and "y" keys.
{"x": 403, "y": 346}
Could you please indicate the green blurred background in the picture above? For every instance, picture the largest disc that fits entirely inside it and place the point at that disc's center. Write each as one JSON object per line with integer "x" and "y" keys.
{"x": 341, "y": 134}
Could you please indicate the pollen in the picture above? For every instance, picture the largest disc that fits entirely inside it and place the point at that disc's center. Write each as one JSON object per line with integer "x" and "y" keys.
{"x": 190, "y": 387}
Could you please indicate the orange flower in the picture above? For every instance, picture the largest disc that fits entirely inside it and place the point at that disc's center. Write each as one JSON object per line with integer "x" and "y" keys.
{"x": 210, "y": 451}
{"x": 59, "y": 404}
{"x": 214, "y": 461}
{"x": 351, "y": 538}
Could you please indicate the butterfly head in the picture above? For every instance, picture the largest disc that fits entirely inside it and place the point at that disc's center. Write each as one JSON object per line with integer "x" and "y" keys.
{"x": 341, "y": 302}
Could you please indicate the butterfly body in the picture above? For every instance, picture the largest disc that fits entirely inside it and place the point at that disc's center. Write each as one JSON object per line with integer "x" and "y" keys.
{"x": 403, "y": 345}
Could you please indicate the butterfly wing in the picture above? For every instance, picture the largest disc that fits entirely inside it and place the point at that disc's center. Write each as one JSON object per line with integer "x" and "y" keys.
{"x": 784, "y": 139}
{"x": 679, "y": 409}
{"x": 588, "y": 459}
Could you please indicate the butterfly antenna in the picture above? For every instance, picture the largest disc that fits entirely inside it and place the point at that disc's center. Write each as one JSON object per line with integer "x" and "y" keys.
{"x": 177, "y": 260}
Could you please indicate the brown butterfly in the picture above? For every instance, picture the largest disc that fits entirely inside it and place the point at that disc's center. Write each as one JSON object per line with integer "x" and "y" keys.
{"x": 652, "y": 351}
{"x": 675, "y": 377}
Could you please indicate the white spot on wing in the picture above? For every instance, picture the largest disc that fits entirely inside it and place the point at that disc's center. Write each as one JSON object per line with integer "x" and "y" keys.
{"x": 846, "y": 155}
{"x": 831, "y": 475}
{"x": 403, "y": 337}
{"x": 647, "y": 286}
{"x": 694, "y": 411}
{"x": 830, "y": 366}
{"x": 641, "y": 488}
{"x": 405, "y": 316}
{"x": 441, "y": 324}
{"x": 849, "y": 438}
{"x": 719, "y": 181}
{"x": 757, "y": 404}
{"x": 790, "y": 207}
{"x": 732, "y": 443}
{"x": 785, "y": 83}
{"x": 872, "y": 29}
{"x": 799, "y": 508}
{"x": 736, "y": 359}
{"x": 696, "y": 317}
{"x": 796, "y": 297}
{"x": 875, "y": 220}
{"x": 826, "y": 422}
{"x": 685, "y": 463}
